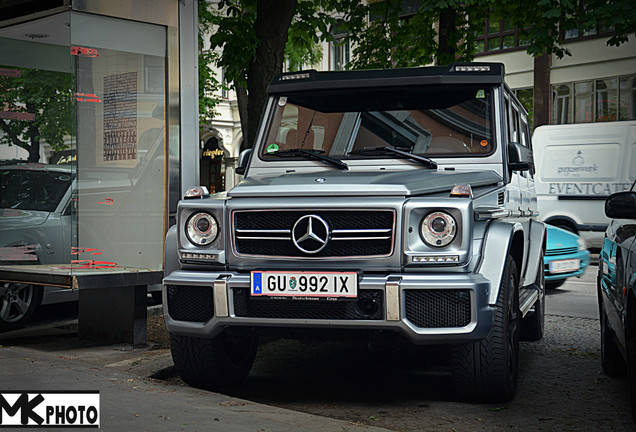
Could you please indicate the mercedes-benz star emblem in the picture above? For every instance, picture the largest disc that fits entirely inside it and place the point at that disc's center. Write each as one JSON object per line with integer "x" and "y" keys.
{"x": 310, "y": 234}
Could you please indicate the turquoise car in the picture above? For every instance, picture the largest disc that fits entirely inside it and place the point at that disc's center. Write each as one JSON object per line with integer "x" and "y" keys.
{"x": 566, "y": 255}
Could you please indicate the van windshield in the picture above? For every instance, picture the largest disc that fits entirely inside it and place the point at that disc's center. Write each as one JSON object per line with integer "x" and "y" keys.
{"x": 439, "y": 121}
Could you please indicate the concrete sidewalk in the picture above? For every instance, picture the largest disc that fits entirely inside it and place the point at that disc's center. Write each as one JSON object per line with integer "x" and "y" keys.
{"x": 131, "y": 400}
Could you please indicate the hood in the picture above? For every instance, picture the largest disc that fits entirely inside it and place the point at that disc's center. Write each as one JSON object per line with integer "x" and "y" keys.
{"x": 558, "y": 238}
{"x": 21, "y": 219}
{"x": 362, "y": 183}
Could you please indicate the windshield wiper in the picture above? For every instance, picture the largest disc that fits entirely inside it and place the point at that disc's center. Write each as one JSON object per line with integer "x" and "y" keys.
{"x": 429, "y": 163}
{"x": 312, "y": 154}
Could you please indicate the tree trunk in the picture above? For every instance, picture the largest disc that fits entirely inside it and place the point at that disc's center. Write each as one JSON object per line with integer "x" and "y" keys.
{"x": 241, "y": 97}
{"x": 541, "y": 93}
{"x": 34, "y": 148}
{"x": 447, "y": 47}
{"x": 271, "y": 26}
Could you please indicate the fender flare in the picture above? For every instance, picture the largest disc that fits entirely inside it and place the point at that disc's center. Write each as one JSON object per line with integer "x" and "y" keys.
{"x": 170, "y": 256}
{"x": 496, "y": 246}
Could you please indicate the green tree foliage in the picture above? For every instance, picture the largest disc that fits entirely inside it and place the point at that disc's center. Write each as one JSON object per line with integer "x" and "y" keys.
{"x": 46, "y": 95}
{"x": 255, "y": 36}
{"x": 444, "y": 31}
{"x": 208, "y": 82}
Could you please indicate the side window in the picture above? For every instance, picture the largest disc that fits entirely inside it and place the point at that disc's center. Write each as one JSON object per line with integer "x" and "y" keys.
{"x": 507, "y": 115}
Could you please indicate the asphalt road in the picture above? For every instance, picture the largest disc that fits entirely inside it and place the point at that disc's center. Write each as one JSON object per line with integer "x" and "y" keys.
{"x": 575, "y": 298}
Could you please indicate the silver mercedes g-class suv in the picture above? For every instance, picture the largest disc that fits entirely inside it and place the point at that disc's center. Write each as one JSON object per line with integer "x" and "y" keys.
{"x": 396, "y": 201}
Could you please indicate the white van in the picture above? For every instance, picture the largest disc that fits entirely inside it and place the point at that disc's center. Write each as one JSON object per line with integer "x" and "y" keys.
{"x": 578, "y": 166}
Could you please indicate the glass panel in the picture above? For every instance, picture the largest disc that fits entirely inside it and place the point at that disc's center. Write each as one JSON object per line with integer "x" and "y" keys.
{"x": 583, "y": 104}
{"x": 121, "y": 138}
{"x": 571, "y": 33}
{"x": 627, "y": 95}
{"x": 561, "y": 96}
{"x": 607, "y": 100}
{"x": 480, "y": 45}
{"x": 494, "y": 26}
{"x": 509, "y": 41}
{"x": 526, "y": 96}
{"x": 37, "y": 149}
{"x": 494, "y": 44}
{"x": 508, "y": 25}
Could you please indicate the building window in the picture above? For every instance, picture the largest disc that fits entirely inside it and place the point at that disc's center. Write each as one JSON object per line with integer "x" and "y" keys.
{"x": 608, "y": 99}
{"x": 497, "y": 35}
{"x": 601, "y": 29}
{"x": 561, "y": 97}
{"x": 339, "y": 49}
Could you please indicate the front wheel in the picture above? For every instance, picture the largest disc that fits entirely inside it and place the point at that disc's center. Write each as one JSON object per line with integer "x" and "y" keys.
{"x": 487, "y": 371}
{"x": 18, "y": 301}
{"x": 217, "y": 364}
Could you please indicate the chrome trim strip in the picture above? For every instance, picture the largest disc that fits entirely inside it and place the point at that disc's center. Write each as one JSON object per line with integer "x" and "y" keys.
{"x": 273, "y": 231}
{"x": 361, "y": 238}
{"x": 221, "y": 308}
{"x": 392, "y": 294}
{"x": 373, "y": 230}
{"x": 262, "y": 238}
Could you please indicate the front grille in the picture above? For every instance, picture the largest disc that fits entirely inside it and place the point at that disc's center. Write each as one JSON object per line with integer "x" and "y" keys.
{"x": 438, "y": 308}
{"x": 562, "y": 251}
{"x": 348, "y": 233}
{"x": 368, "y": 306}
{"x": 190, "y": 303}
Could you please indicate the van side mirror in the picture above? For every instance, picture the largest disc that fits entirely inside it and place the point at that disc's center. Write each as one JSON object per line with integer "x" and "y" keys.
{"x": 243, "y": 161}
{"x": 621, "y": 205}
{"x": 520, "y": 158}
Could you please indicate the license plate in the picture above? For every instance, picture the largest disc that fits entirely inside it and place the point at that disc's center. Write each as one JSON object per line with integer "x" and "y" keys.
{"x": 304, "y": 284}
{"x": 564, "y": 266}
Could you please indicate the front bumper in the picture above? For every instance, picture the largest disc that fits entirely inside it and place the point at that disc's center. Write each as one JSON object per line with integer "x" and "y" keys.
{"x": 425, "y": 308}
{"x": 582, "y": 255}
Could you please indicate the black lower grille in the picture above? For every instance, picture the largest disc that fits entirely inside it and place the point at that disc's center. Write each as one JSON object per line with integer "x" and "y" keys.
{"x": 438, "y": 308}
{"x": 368, "y": 306}
{"x": 190, "y": 303}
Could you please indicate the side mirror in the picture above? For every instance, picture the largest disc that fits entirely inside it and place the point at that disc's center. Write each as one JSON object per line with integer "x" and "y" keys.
{"x": 621, "y": 205}
{"x": 520, "y": 158}
{"x": 243, "y": 161}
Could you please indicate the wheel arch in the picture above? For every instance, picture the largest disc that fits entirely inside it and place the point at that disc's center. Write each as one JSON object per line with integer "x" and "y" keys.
{"x": 501, "y": 238}
{"x": 563, "y": 222}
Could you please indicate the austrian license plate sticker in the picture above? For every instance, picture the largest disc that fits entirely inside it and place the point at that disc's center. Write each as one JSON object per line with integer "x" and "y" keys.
{"x": 304, "y": 284}
{"x": 564, "y": 266}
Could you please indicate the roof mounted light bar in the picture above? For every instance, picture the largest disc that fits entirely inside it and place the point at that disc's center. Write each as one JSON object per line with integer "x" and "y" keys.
{"x": 472, "y": 68}
{"x": 295, "y": 76}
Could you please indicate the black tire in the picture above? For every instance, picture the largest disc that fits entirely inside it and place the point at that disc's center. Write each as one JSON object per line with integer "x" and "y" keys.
{"x": 611, "y": 358}
{"x": 17, "y": 304}
{"x": 219, "y": 364}
{"x": 487, "y": 371}
{"x": 553, "y": 284}
{"x": 533, "y": 325}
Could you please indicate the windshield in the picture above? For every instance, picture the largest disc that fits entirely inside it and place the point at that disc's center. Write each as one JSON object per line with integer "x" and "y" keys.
{"x": 431, "y": 121}
{"x": 27, "y": 189}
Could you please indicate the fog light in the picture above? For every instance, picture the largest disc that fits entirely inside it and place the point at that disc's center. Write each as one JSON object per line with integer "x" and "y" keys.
{"x": 198, "y": 256}
{"x": 436, "y": 259}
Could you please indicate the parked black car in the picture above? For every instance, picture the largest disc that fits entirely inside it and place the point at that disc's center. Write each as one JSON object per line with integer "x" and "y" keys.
{"x": 617, "y": 289}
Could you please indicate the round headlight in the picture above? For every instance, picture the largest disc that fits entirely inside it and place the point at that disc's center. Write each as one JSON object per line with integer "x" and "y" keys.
{"x": 202, "y": 229}
{"x": 438, "y": 229}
